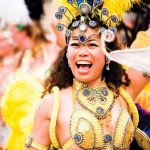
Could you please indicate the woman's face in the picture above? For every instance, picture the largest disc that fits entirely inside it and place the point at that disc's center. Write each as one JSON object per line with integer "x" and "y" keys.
{"x": 21, "y": 39}
{"x": 86, "y": 61}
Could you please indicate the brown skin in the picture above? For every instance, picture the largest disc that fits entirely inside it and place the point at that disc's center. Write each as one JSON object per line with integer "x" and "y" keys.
{"x": 43, "y": 113}
{"x": 138, "y": 82}
{"x": 90, "y": 53}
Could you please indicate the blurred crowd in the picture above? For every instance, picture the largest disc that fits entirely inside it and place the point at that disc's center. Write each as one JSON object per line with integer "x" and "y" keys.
{"x": 33, "y": 45}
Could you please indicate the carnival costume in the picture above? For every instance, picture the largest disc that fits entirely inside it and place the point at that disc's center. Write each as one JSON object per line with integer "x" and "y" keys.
{"x": 86, "y": 123}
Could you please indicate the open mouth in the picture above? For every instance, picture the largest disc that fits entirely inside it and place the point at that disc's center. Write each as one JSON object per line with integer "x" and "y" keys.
{"x": 84, "y": 64}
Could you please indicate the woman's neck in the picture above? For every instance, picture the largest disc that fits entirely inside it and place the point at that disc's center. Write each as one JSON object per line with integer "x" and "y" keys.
{"x": 92, "y": 84}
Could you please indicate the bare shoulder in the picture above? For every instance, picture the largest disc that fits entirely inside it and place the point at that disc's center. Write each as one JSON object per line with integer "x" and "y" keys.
{"x": 45, "y": 107}
{"x": 44, "y": 110}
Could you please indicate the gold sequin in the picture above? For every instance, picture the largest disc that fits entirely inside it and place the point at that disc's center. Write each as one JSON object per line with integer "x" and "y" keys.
{"x": 86, "y": 124}
{"x": 99, "y": 100}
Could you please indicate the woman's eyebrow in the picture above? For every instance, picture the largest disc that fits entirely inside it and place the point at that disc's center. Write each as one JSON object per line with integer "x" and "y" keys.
{"x": 91, "y": 37}
{"x": 74, "y": 37}
{"x": 92, "y": 40}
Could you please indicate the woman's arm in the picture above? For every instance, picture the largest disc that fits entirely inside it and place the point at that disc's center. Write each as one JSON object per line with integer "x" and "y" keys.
{"x": 138, "y": 82}
{"x": 40, "y": 132}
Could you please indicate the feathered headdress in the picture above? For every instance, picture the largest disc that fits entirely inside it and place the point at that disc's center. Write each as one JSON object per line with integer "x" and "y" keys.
{"x": 110, "y": 13}
{"x": 107, "y": 11}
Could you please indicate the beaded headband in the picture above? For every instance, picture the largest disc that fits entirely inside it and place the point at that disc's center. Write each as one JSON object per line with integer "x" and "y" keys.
{"x": 107, "y": 11}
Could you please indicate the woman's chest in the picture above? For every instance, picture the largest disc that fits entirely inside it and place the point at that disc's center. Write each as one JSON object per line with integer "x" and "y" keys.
{"x": 88, "y": 131}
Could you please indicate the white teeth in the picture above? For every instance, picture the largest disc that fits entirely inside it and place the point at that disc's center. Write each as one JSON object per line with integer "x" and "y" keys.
{"x": 84, "y": 63}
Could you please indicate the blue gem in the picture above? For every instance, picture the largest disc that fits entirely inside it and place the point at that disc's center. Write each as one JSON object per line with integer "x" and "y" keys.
{"x": 114, "y": 18}
{"x": 58, "y": 15}
{"x": 98, "y": 2}
{"x": 77, "y": 138}
{"x": 108, "y": 138}
{"x": 62, "y": 9}
{"x": 60, "y": 27}
{"x": 100, "y": 110}
{"x": 104, "y": 11}
{"x": 104, "y": 92}
{"x": 90, "y": 3}
{"x": 86, "y": 92}
{"x": 113, "y": 29}
{"x": 68, "y": 33}
{"x": 79, "y": 2}
{"x": 92, "y": 23}
{"x": 70, "y": 1}
{"x": 82, "y": 38}
{"x": 75, "y": 23}
{"x": 96, "y": 92}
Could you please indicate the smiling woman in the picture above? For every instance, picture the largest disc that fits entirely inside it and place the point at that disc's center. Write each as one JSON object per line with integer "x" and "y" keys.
{"x": 84, "y": 60}
{"x": 93, "y": 108}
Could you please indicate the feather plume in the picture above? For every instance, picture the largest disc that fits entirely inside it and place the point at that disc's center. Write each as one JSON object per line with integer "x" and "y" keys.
{"x": 70, "y": 8}
{"x": 115, "y": 7}
{"x": 119, "y": 7}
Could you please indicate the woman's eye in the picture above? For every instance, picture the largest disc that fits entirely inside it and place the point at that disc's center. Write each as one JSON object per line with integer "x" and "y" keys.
{"x": 75, "y": 44}
{"x": 93, "y": 45}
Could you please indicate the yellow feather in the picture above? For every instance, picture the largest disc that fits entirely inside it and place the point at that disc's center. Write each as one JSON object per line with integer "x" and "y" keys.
{"x": 18, "y": 106}
{"x": 118, "y": 7}
{"x": 115, "y": 7}
{"x": 72, "y": 9}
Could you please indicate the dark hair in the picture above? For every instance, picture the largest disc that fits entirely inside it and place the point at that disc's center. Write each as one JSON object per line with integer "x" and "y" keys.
{"x": 63, "y": 77}
{"x": 35, "y": 8}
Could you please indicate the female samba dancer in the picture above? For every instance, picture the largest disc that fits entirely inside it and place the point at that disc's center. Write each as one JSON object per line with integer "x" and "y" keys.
{"x": 94, "y": 106}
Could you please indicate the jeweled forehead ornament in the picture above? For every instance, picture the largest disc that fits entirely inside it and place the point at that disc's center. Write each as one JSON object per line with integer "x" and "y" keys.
{"x": 107, "y": 11}
{"x": 84, "y": 9}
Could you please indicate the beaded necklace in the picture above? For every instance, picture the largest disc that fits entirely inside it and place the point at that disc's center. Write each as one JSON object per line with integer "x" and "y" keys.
{"x": 90, "y": 126}
{"x": 98, "y": 101}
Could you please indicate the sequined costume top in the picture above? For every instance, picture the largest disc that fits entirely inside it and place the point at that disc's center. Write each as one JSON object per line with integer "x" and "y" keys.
{"x": 86, "y": 128}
